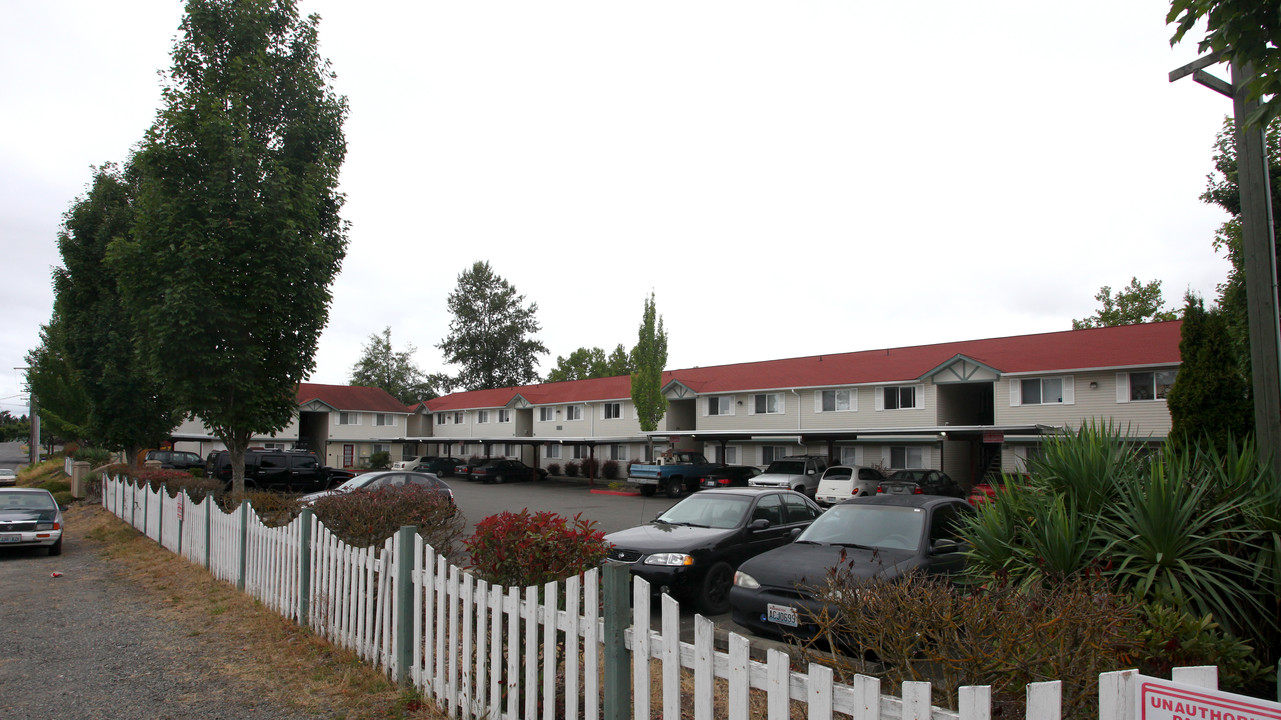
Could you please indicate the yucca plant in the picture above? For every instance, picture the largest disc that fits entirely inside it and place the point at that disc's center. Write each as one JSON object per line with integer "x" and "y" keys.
{"x": 1086, "y": 465}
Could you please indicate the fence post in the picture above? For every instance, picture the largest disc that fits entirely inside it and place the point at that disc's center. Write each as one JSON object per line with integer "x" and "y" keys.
{"x": 209, "y": 501}
{"x": 617, "y": 680}
{"x": 160, "y": 517}
{"x": 404, "y": 601}
{"x": 304, "y": 567}
{"x": 244, "y": 543}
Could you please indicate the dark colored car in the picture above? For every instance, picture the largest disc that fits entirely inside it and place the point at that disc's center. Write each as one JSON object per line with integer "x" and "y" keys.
{"x": 730, "y": 476}
{"x": 693, "y": 549}
{"x": 176, "y": 459}
{"x": 920, "y": 482}
{"x": 30, "y": 517}
{"x": 292, "y": 470}
{"x": 501, "y": 471}
{"x": 440, "y": 467}
{"x": 382, "y": 479}
{"x": 880, "y": 538}
{"x": 465, "y": 468}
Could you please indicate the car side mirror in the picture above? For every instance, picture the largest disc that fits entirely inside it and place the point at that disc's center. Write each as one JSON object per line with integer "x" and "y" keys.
{"x": 758, "y": 524}
{"x": 944, "y": 546}
{"x": 795, "y": 533}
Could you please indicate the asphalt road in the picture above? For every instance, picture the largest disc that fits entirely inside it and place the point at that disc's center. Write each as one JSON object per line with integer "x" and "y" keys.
{"x": 11, "y": 455}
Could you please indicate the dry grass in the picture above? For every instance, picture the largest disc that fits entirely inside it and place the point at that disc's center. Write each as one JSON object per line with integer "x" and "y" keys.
{"x": 244, "y": 641}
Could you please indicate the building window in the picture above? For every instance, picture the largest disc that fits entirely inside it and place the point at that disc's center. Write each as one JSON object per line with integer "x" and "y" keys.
{"x": 767, "y": 404}
{"x": 553, "y": 452}
{"x": 382, "y": 448}
{"x": 581, "y": 452}
{"x": 504, "y": 415}
{"x": 1041, "y": 391}
{"x": 441, "y": 418}
{"x": 458, "y": 418}
{"x": 613, "y": 411}
{"x": 618, "y": 451}
{"x": 546, "y": 414}
{"x": 903, "y": 457}
{"x": 384, "y": 419}
{"x": 1151, "y": 385}
{"x": 727, "y": 455}
{"x": 573, "y": 412}
{"x": 723, "y": 405}
{"x": 770, "y": 453}
{"x": 903, "y": 397}
{"x": 836, "y": 401}
{"x": 849, "y": 455}
{"x": 482, "y": 416}
{"x": 348, "y": 418}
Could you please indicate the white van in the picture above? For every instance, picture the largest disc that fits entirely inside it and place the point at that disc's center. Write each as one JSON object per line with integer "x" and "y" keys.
{"x": 842, "y": 482}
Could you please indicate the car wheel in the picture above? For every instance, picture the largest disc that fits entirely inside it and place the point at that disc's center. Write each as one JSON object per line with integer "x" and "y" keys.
{"x": 56, "y": 548}
{"x": 674, "y": 486}
{"x": 648, "y": 490}
{"x": 713, "y": 592}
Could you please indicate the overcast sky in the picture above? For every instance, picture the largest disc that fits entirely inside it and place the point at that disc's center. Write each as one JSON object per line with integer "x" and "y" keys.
{"x": 789, "y": 178}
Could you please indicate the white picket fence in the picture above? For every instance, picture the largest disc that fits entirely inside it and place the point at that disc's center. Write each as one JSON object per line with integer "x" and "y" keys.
{"x": 485, "y": 651}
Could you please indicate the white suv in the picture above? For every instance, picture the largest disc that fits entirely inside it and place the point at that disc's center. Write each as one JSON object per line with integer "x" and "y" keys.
{"x": 795, "y": 472}
{"x": 411, "y": 463}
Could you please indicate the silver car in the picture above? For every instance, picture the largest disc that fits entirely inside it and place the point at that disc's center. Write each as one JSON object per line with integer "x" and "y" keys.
{"x": 386, "y": 478}
{"x": 30, "y": 517}
{"x": 8, "y": 477}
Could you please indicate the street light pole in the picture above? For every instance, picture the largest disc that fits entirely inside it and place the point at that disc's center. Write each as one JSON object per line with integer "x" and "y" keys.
{"x": 1258, "y": 252}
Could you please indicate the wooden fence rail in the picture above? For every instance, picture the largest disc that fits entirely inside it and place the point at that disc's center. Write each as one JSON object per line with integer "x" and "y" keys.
{"x": 487, "y": 651}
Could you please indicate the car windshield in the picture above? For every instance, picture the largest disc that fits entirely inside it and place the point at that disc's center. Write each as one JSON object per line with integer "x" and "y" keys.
{"x": 786, "y": 467}
{"x": 876, "y": 526}
{"x": 709, "y": 511}
{"x": 39, "y": 500}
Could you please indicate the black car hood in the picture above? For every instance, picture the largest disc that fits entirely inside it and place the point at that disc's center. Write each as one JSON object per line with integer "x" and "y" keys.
{"x": 26, "y": 515}
{"x": 807, "y": 565}
{"x": 659, "y": 537}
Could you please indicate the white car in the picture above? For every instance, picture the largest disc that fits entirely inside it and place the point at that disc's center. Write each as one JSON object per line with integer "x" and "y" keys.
{"x": 8, "y": 477}
{"x": 30, "y": 517}
{"x": 411, "y": 463}
{"x": 382, "y": 479}
{"x": 842, "y": 482}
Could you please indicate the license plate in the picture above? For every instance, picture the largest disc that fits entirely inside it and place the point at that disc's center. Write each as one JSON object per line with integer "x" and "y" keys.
{"x": 781, "y": 614}
{"x": 10, "y": 538}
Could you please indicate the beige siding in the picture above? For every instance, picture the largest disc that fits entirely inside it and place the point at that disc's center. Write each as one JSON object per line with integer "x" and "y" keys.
{"x": 1140, "y": 419}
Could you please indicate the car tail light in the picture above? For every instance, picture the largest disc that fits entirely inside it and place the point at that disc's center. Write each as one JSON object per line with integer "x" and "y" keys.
{"x": 722, "y": 481}
{"x": 880, "y": 490}
{"x": 918, "y": 491}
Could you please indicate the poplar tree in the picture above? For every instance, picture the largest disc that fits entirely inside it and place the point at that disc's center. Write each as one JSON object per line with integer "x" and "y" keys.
{"x": 650, "y": 357}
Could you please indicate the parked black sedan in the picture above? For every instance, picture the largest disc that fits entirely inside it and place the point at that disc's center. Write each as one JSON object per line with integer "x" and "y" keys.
{"x": 501, "y": 471}
{"x": 879, "y": 537}
{"x": 693, "y": 549}
{"x": 730, "y": 476}
{"x": 920, "y": 482}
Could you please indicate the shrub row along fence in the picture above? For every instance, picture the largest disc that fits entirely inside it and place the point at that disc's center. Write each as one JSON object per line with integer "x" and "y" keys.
{"x": 485, "y": 651}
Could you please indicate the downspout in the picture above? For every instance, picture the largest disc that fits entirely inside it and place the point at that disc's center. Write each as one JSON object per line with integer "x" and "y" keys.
{"x": 799, "y": 439}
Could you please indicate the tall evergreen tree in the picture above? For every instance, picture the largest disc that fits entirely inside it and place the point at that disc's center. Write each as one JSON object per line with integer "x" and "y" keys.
{"x": 128, "y": 409}
{"x": 650, "y": 356}
{"x": 381, "y": 365}
{"x": 1210, "y": 398}
{"x": 492, "y": 334}
{"x": 238, "y": 235}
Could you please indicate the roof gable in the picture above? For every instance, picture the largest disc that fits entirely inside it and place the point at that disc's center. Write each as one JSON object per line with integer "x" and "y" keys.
{"x": 351, "y": 398}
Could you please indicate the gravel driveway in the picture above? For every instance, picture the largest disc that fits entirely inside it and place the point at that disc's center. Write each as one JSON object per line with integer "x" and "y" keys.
{"x": 86, "y": 644}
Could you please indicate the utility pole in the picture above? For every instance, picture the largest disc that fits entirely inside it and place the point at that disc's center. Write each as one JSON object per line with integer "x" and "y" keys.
{"x": 1258, "y": 251}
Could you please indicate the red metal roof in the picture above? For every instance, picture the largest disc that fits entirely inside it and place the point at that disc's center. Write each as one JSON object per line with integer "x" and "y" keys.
{"x": 351, "y": 398}
{"x": 1113, "y": 347}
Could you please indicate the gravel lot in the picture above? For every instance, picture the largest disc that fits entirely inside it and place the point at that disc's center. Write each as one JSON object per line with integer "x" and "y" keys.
{"x": 89, "y": 643}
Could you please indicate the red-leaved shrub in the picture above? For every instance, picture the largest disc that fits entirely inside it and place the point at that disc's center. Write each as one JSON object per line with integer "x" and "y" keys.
{"x": 553, "y": 469}
{"x": 368, "y": 517}
{"x": 591, "y": 467}
{"x": 571, "y": 469}
{"x": 523, "y": 549}
{"x": 609, "y": 470}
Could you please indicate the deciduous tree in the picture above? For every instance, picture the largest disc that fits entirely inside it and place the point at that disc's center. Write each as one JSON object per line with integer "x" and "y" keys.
{"x": 380, "y": 365}
{"x": 492, "y": 334}
{"x": 1247, "y": 32}
{"x": 1136, "y": 303}
{"x": 238, "y": 236}
{"x": 62, "y": 404}
{"x": 650, "y": 356}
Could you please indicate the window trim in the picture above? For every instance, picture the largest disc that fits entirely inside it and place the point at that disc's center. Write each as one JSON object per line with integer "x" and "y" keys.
{"x": 1068, "y": 391}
